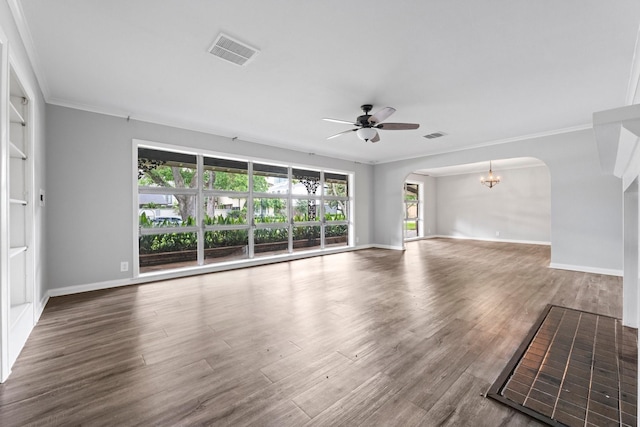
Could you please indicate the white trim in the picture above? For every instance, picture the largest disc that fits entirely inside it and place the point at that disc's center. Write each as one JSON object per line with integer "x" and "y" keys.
{"x": 229, "y": 156}
{"x": 367, "y": 246}
{"x": 633, "y": 95}
{"x": 194, "y": 127}
{"x": 494, "y": 142}
{"x": 29, "y": 45}
{"x": 414, "y": 239}
{"x": 5, "y": 366}
{"x": 195, "y": 271}
{"x": 251, "y": 226}
{"x": 135, "y": 197}
{"x": 389, "y": 247}
{"x": 40, "y": 307}
{"x": 233, "y": 134}
{"x": 482, "y": 239}
{"x": 584, "y": 269}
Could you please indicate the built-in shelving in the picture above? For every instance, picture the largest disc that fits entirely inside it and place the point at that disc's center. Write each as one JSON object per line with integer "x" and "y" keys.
{"x": 16, "y": 251}
{"x": 20, "y": 216}
{"x": 16, "y": 152}
{"x": 17, "y": 312}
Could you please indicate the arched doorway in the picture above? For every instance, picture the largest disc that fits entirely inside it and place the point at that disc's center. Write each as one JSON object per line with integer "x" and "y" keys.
{"x": 452, "y": 202}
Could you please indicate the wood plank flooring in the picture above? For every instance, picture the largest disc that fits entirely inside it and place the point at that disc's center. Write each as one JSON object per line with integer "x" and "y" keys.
{"x": 364, "y": 338}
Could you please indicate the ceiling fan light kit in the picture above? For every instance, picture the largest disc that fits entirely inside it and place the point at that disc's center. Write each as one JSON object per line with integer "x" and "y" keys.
{"x": 366, "y": 134}
{"x": 367, "y": 125}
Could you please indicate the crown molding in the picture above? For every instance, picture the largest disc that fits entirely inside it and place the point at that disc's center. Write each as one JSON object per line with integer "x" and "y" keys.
{"x": 27, "y": 41}
{"x": 496, "y": 142}
{"x": 633, "y": 89}
{"x": 180, "y": 124}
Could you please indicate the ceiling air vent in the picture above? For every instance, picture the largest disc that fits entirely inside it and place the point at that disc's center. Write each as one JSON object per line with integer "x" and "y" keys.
{"x": 232, "y": 50}
{"x": 435, "y": 135}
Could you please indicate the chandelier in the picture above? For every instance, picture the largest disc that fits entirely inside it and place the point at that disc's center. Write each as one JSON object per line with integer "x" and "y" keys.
{"x": 490, "y": 181}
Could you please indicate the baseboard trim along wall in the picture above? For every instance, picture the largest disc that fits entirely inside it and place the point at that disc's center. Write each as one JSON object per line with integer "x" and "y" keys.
{"x": 482, "y": 239}
{"x": 583, "y": 269}
{"x": 40, "y": 307}
{"x": 389, "y": 247}
{"x": 193, "y": 271}
{"x": 68, "y": 290}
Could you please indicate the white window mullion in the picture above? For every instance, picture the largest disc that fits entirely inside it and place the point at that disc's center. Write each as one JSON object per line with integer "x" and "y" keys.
{"x": 323, "y": 221}
{"x": 290, "y": 207}
{"x": 200, "y": 208}
{"x": 167, "y": 190}
{"x": 250, "y": 213}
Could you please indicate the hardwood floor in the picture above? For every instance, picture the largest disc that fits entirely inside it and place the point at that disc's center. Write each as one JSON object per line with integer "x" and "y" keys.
{"x": 370, "y": 337}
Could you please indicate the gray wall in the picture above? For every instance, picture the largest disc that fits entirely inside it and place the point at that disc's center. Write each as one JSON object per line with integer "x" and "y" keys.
{"x": 519, "y": 208}
{"x": 586, "y": 206}
{"x": 90, "y": 190}
{"x": 20, "y": 60}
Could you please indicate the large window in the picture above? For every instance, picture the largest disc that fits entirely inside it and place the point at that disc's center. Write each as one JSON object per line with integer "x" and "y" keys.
{"x": 167, "y": 209}
{"x": 412, "y": 211}
{"x": 196, "y": 209}
{"x": 225, "y": 196}
{"x": 336, "y": 209}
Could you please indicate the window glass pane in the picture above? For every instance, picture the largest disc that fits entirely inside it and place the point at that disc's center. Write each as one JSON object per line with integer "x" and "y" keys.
{"x": 305, "y": 182}
{"x": 306, "y": 210}
{"x": 226, "y": 245}
{"x": 166, "y": 210}
{"x": 410, "y": 229}
{"x": 335, "y": 210}
{"x": 167, "y": 250}
{"x": 336, "y": 185}
{"x": 305, "y": 238}
{"x": 222, "y": 210}
{"x": 158, "y": 168}
{"x": 267, "y": 209}
{"x": 410, "y": 191}
{"x": 336, "y": 235}
{"x": 270, "y": 241}
{"x": 411, "y": 210}
{"x": 270, "y": 179}
{"x": 225, "y": 175}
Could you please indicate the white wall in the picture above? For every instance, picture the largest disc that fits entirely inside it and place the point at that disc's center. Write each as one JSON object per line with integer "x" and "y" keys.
{"x": 519, "y": 208}
{"x": 586, "y": 206}
{"x": 90, "y": 182}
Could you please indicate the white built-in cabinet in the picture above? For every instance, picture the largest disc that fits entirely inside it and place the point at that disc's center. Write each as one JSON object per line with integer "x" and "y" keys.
{"x": 19, "y": 179}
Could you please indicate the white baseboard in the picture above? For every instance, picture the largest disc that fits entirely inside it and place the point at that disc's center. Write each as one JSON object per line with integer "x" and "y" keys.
{"x": 40, "y": 307}
{"x": 389, "y": 247}
{"x": 76, "y": 289}
{"x": 193, "y": 271}
{"x": 483, "y": 239}
{"x": 583, "y": 269}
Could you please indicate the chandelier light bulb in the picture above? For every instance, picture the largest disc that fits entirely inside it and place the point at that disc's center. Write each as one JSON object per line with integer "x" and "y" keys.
{"x": 490, "y": 181}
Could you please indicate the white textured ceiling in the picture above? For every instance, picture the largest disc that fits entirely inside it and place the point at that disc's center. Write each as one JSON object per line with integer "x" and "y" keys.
{"x": 479, "y": 71}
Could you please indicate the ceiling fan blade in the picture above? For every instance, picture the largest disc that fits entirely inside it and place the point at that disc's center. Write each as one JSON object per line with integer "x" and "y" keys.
{"x": 347, "y": 122}
{"x": 375, "y": 138}
{"x": 397, "y": 126}
{"x": 382, "y": 115}
{"x": 342, "y": 133}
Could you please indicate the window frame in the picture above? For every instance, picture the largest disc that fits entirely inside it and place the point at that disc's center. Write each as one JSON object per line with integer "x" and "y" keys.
{"x": 201, "y": 193}
{"x": 419, "y": 202}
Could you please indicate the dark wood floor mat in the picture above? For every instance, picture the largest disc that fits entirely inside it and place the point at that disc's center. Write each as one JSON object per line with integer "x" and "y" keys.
{"x": 574, "y": 368}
